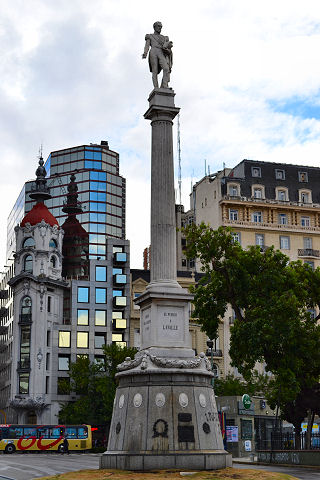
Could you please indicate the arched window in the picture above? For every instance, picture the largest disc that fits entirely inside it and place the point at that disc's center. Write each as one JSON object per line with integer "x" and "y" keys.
{"x": 53, "y": 261}
{"x": 26, "y": 306}
{"x": 53, "y": 243}
{"x": 27, "y": 263}
{"x": 28, "y": 242}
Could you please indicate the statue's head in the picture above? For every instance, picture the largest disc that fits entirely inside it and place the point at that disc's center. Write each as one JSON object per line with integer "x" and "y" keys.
{"x": 157, "y": 27}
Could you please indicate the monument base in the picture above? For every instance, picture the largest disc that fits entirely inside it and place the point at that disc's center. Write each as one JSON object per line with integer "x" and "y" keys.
{"x": 165, "y": 416}
{"x": 182, "y": 460}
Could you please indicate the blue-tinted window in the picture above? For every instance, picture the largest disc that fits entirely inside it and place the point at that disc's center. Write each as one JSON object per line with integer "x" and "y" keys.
{"x": 101, "y": 274}
{"x": 101, "y": 295}
{"x": 28, "y": 242}
{"x": 98, "y": 197}
{"x": 98, "y": 186}
{"x": 97, "y": 217}
{"x": 92, "y": 164}
{"x": 98, "y": 207}
{"x": 27, "y": 263}
{"x": 98, "y": 176}
{"x": 116, "y": 271}
{"x": 53, "y": 243}
{"x": 101, "y": 249}
{"x": 117, "y": 293}
{"x": 120, "y": 257}
{"x": 83, "y": 317}
{"x": 97, "y": 155}
{"x": 83, "y": 294}
{"x": 99, "y": 340}
{"x": 121, "y": 279}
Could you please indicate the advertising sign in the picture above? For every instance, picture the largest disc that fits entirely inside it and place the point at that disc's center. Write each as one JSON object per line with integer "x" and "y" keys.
{"x": 232, "y": 432}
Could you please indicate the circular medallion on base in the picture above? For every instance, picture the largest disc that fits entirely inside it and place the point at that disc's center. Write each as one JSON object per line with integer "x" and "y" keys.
{"x": 183, "y": 400}
{"x": 202, "y": 400}
{"x": 121, "y": 401}
{"x": 160, "y": 399}
{"x": 137, "y": 400}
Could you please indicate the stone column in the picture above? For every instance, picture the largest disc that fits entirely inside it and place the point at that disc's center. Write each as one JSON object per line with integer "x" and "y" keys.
{"x": 161, "y": 112}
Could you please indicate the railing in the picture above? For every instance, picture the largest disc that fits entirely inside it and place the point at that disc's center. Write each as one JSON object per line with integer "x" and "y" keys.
{"x": 273, "y": 226}
{"x": 288, "y": 441}
{"x": 215, "y": 353}
{"x": 272, "y": 201}
{"x": 25, "y": 318}
{"x": 308, "y": 252}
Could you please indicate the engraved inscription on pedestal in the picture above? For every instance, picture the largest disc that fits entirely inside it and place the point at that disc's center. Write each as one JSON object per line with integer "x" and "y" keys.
{"x": 170, "y": 324}
{"x": 146, "y": 325}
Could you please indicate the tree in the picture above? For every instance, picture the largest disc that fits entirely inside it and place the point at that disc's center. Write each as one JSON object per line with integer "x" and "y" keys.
{"x": 95, "y": 386}
{"x": 270, "y": 297}
{"x": 231, "y": 385}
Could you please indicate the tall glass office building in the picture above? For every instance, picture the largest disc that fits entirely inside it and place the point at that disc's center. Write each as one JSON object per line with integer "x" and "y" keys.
{"x": 102, "y": 194}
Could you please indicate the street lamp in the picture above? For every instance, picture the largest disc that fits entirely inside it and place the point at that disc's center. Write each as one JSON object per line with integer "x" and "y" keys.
{"x": 210, "y": 345}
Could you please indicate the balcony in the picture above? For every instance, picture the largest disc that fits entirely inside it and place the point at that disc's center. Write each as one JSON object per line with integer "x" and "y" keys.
{"x": 119, "y": 324}
{"x": 3, "y": 312}
{"x": 24, "y": 365}
{"x": 25, "y": 319}
{"x": 268, "y": 226}
{"x": 272, "y": 201}
{"x": 308, "y": 252}
{"x": 215, "y": 353}
{"x": 120, "y": 301}
{"x": 119, "y": 257}
{"x": 119, "y": 279}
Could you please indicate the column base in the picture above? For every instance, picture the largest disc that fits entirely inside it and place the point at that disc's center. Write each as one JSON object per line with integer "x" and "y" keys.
{"x": 180, "y": 460}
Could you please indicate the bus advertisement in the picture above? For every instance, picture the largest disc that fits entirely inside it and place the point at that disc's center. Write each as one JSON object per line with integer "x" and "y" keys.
{"x": 14, "y": 438}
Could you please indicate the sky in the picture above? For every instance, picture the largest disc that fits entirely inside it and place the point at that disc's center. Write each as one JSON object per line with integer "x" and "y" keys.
{"x": 246, "y": 76}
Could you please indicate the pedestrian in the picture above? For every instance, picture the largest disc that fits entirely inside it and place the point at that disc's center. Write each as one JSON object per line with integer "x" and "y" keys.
{"x": 65, "y": 446}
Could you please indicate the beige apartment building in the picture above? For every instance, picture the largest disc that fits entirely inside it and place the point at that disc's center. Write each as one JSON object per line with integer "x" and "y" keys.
{"x": 265, "y": 204}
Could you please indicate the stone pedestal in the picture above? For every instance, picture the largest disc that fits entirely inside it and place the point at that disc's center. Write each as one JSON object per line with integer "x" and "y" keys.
{"x": 165, "y": 413}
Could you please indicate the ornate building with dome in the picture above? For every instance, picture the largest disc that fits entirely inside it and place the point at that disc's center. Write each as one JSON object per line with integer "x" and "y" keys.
{"x": 58, "y": 300}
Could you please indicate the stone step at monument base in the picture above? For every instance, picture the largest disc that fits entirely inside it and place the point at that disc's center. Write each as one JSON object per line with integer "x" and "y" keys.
{"x": 181, "y": 460}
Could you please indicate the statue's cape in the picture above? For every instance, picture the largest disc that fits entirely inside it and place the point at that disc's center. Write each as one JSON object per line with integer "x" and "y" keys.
{"x": 167, "y": 53}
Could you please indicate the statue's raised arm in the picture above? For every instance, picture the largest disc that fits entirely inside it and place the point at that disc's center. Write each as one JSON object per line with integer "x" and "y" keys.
{"x": 160, "y": 55}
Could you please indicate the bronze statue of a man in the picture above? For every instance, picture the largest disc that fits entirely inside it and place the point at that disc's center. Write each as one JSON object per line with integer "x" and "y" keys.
{"x": 160, "y": 55}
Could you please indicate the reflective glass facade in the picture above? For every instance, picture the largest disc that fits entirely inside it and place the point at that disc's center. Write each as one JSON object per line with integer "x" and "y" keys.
{"x": 101, "y": 194}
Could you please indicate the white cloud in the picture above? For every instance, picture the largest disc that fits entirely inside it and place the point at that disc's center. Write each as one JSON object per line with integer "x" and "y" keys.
{"x": 72, "y": 73}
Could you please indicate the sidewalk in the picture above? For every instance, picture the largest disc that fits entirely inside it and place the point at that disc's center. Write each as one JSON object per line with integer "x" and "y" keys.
{"x": 252, "y": 459}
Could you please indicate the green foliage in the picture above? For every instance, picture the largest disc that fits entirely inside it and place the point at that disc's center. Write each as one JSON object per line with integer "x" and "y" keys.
{"x": 231, "y": 385}
{"x": 95, "y": 387}
{"x": 270, "y": 296}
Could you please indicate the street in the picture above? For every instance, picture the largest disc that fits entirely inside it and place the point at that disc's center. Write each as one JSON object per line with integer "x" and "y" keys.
{"x": 27, "y": 466}
{"x": 30, "y": 466}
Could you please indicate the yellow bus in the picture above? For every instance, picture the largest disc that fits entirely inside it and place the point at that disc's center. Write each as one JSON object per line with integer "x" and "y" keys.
{"x": 15, "y": 438}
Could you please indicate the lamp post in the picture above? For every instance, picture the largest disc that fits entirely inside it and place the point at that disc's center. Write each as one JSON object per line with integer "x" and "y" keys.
{"x": 210, "y": 345}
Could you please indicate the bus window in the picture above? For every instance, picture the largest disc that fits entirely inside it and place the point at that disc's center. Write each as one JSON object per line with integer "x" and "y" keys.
{"x": 82, "y": 432}
{"x": 71, "y": 432}
{"x": 30, "y": 431}
{"x": 15, "y": 432}
{"x": 56, "y": 432}
{"x": 4, "y": 432}
{"x": 43, "y": 432}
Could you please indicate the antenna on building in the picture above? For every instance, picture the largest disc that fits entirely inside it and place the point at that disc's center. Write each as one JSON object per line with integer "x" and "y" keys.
{"x": 40, "y": 151}
{"x": 205, "y": 167}
{"x": 179, "y": 160}
{"x": 208, "y": 169}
